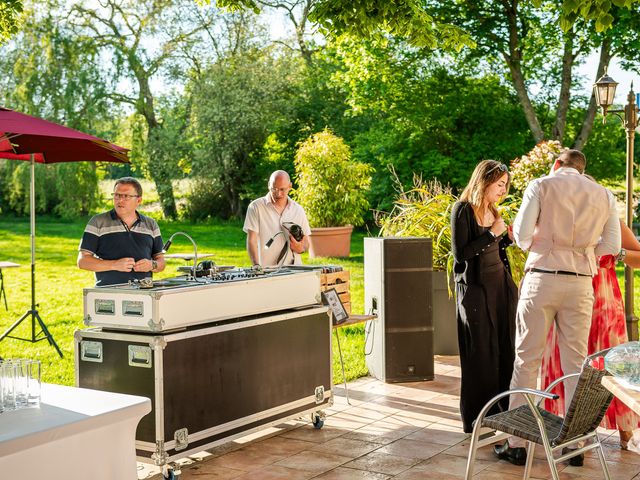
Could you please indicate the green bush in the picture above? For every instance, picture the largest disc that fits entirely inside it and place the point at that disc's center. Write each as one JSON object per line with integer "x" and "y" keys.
{"x": 66, "y": 190}
{"x": 331, "y": 187}
{"x": 425, "y": 211}
{"x": 205, "y": 201}
{"x": 534, "y": 164}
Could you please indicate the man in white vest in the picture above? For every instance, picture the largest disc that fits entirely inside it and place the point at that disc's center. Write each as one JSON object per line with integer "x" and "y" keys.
{"x": 566, "y": 220}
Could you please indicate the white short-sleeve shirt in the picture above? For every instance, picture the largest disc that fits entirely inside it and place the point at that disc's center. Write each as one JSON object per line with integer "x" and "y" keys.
{"x": 263, "y": 218}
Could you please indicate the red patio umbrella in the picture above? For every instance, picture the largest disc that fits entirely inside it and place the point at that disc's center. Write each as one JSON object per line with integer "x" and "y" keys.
{"x": 23, "y": 137}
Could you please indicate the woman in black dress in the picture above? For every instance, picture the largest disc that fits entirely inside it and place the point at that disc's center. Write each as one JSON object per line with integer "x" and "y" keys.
{"x": 486, "y": 296}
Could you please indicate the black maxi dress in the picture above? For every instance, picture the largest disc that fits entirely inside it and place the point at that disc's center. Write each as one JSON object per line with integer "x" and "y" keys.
{"x": 486, "y": 300}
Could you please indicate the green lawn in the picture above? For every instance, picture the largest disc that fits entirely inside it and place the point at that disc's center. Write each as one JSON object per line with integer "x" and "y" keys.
{"x": 59, "y": 285}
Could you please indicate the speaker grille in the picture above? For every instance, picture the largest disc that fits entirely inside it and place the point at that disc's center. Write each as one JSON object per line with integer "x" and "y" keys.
{"x": 408, "y": 309}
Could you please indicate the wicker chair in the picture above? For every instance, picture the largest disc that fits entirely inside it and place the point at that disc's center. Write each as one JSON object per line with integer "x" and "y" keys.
{"x": 531, "y": 422}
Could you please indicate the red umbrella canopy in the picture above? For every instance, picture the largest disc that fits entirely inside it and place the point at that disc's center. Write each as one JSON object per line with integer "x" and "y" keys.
{"x": 22, "y": 135}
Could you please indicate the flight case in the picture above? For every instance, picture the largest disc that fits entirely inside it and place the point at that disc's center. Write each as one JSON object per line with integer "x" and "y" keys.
{"x": 212, "y": 383}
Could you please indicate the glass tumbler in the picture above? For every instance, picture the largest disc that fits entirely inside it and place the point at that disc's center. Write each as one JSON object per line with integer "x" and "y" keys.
{"x": 21, "y": 372}
{"x": 7, "y": 372}
{"x": 2, "y": 380}
{"x": 33, "y": 383}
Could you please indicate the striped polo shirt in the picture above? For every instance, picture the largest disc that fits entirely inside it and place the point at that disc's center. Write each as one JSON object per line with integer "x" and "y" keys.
{"x": 107, "y": 237}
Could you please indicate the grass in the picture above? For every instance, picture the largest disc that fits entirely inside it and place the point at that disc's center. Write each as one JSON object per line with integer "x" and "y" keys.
{"x": 59, "y": 285}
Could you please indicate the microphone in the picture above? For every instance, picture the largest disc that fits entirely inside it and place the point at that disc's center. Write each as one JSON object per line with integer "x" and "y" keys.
{"x": 270, "y": 241}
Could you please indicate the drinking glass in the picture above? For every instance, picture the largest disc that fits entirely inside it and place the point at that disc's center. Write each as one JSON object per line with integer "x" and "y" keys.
{"x": 2, "y": 381}
{"x": 33, "y": 383}
{"x": 8, "y": 385}
{"x": 21, "y": 372}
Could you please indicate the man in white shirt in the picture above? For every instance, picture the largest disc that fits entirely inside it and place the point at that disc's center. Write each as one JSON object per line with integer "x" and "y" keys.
{"x": 565, "y": 222}
{"x": 268, "y": 222}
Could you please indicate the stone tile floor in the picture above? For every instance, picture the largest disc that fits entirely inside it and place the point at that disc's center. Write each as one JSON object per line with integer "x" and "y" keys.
{"x": 403, "y": 431}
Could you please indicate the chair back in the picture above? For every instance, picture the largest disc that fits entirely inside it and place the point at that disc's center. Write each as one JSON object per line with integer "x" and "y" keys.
{"x": 589, "y": 403}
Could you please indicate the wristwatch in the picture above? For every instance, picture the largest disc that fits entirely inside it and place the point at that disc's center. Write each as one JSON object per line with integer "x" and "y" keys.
{"x": 621, "y": 256}
{"x": 154, "y": 265}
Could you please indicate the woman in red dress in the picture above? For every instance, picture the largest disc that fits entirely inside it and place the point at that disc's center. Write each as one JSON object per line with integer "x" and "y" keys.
{"x": 608, "y": 329}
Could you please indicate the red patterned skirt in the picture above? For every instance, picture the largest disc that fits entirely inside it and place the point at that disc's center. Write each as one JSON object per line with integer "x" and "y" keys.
{"x": 608, "y": 329}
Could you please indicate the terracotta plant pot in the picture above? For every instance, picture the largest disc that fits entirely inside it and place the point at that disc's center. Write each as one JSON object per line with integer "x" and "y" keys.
{"x": 330, "y": 242}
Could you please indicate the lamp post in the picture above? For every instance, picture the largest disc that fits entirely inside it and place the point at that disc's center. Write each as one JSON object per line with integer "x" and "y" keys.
{"x": 605, "y": 90}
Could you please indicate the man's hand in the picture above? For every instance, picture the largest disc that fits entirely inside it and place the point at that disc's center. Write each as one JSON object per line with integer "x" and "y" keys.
{"x": 296, "y": 247}
{"x": 144, "y": 265}
{"x": 124, "y": 264}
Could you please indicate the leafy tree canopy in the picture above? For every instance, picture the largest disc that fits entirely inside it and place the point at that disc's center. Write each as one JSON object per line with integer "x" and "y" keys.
{"x": 597, "y": 10}
{"x": 10, "y": 17}
{"x": 368, "y": 18}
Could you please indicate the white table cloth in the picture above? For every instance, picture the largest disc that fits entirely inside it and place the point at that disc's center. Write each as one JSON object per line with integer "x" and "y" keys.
{"x": 76, "y": 434}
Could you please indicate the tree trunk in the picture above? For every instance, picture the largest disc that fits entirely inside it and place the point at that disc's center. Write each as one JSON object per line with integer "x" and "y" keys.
{"x": 565, "y": 87}
{"x": 160, "y": 172}
{"x": 159, "y": 168}
{"x": 514, "y": 60}
{"x": 300, "y": 30}
{"x": 590, "y": 114}
{"x": 233, "y": 200}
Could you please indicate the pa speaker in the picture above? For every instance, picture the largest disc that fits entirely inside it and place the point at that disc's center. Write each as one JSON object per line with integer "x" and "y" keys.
{"x": 397, "y": 287}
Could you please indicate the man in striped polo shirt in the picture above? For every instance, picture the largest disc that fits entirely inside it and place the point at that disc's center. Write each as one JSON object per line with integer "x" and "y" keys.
{"x": 122, "y": 245}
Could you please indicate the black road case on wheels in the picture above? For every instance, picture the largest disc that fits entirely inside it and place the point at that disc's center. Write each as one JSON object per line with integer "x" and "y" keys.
{"x": 212, "y": 383}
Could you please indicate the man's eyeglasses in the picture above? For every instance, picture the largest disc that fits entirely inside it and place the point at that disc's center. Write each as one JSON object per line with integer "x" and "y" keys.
{"x": 283, "y": 190}
{"x": 123, "y": 196}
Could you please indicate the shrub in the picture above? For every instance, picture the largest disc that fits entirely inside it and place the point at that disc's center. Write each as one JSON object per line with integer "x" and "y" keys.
{"x": 425, "y": 211}
{"x": 332, "y": 188}
{"x": 205, "y": 201}
{"x": 534, "y": 164}
{"x": 67, "y": 190}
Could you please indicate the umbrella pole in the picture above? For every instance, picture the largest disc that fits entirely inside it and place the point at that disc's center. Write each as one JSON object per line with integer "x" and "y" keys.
{"x": 32, "y": 219}
{"x": 33, "y": 313}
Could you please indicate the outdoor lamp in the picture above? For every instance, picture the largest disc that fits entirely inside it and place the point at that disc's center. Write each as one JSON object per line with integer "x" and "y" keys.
{"x": 605, "y": 91}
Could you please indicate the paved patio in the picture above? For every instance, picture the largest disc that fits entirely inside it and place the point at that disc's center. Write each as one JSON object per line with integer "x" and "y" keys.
{"x": 401, "y": 431}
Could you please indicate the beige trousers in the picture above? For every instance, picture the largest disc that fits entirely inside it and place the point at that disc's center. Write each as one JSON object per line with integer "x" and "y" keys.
{"x": 545, "y": 298}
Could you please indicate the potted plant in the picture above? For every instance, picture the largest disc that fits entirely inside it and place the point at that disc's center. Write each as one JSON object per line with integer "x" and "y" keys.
{"x": 332, "y": 190}
{"x": 425, "y": 211}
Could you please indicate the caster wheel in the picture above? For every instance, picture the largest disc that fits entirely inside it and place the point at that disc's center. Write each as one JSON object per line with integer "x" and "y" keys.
{"x": 169, "y": 473}
{"x": 318, "y": 421}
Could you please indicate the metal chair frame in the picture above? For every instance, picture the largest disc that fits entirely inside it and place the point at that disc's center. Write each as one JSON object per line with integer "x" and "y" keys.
{"x": 549, "y": 445}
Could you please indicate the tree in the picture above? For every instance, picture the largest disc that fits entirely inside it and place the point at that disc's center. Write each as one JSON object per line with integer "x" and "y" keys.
{"x": 49, "y": 73}
{"x": 367, "y": 18}
{"x": 141, "y": 37}
{"x": 10, "y": 18}
{"x": 408, "y": 113}
{"x": 597, "y": 10}
{"x": 236, "y": 104}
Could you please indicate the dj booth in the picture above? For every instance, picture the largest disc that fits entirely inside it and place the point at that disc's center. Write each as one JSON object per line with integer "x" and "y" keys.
{"x": 219, "y": 358}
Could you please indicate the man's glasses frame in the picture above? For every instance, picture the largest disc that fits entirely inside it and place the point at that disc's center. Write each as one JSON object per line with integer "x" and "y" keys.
{"x": 276, "y": 190}
{"x": 123, "y": 196}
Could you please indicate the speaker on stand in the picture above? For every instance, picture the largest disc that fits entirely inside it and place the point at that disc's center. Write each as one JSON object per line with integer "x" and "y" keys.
{"x": 397, "y": 287}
